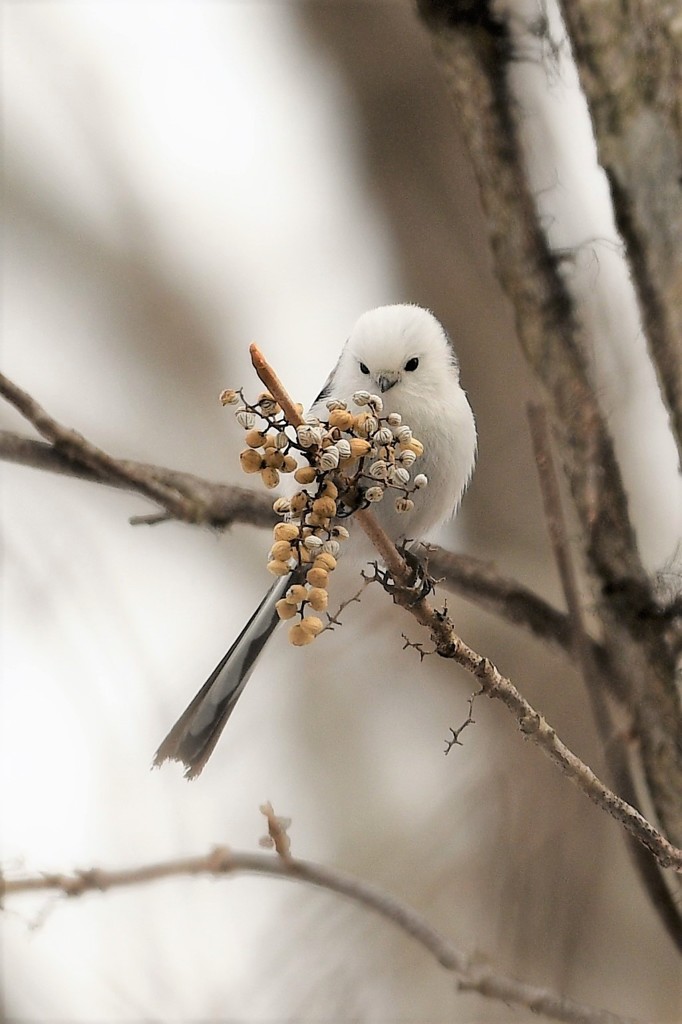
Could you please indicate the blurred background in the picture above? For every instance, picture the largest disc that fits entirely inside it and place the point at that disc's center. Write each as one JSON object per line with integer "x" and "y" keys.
{"x": 180, "y": 180}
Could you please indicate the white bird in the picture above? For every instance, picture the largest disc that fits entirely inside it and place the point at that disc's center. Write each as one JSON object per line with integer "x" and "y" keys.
{"x": 403, "y": 353}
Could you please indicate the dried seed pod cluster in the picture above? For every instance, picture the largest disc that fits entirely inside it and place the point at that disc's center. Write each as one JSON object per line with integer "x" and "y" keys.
{"x": 342, "y": 463}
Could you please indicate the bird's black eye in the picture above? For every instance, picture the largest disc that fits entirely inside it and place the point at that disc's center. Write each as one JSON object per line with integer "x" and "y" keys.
{"x": 363, "y": 368}
{"x": 412, "y": 364}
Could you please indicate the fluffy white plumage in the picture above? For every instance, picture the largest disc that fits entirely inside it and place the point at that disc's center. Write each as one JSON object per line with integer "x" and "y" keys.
{"x": 402, "y": 353}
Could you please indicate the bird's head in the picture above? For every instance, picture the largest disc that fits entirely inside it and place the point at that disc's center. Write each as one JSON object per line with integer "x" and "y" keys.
{"x": 399, "y": 352}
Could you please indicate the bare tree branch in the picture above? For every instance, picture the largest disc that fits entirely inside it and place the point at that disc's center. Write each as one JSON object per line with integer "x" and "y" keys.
{"x": 213, "y": 504}
{"x": 473, "y": 973}
{"x": 74, "y": 446}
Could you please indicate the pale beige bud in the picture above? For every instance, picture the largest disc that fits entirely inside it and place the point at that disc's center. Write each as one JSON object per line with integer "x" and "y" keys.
{"x": 421, "y": 480}
{"x": 317, "y": 577}
{"x": 270, "y": 477}
{"x": 305, "y": 475}
{"x": 300, "y": 637}
{"x": 251, "y": 461}
{"x": 273, "y": 458}
{"x": 374, "y": 493}
{"x": 394, "y": 419}
{"x": 318, "y": 599}
{"x": 317, "y": 520}
{"x": 313, "y": 543}
{"x": 311, "y": 624}
{"x": 281, "y": 551}
{"x": 343, "y": 447}
{"x": 404, "y": 505}
{"x": 286, "y": 610}
{"x": 324, "y": 507}
{"x": 286, "y": 531}
{"x": 359, "y": 447}
{"x": 281, "y": 506}
{"x": 229, "y": 397}
{"x": 332, "y": 547}
{"x": 361, "y": 397}
{"x": 255, "y": 438}
{"x": 341, "y": 418}
{"x": 341, "y": 532}
{"x": 325, "y": 561}
{"x": 278, "y": 568}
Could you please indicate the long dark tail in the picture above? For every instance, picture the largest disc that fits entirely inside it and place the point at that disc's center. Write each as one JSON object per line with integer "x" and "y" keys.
{"x": 196, "y": 732}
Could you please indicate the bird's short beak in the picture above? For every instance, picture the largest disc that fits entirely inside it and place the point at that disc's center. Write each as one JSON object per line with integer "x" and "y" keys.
{"x": 388, "y": 379}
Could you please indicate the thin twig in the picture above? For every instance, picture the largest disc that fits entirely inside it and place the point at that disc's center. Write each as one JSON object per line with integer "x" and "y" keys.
{"x": 334, "y": 620}
{"x": 278, "y": 836}
{"x": 473, "y": 973}
{"x": 481, "y": 583}
{"x": 275, "y": 386}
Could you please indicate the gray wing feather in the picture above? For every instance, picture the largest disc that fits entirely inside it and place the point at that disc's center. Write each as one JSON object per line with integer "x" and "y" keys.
{"x": 195, "y": 734}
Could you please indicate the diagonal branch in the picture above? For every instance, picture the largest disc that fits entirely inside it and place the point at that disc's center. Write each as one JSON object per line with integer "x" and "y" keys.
{"x": 213, "y": 504}
{"x": 73, "y": 446}
{"x": 473, "y": 973}
{"x": 479, "y": 582}
{"x": 532, "y": 724}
